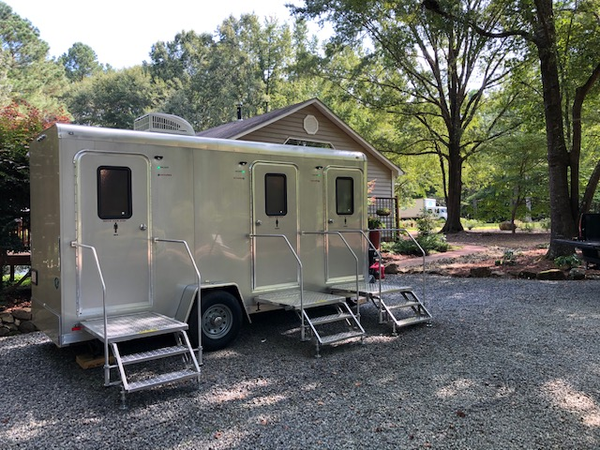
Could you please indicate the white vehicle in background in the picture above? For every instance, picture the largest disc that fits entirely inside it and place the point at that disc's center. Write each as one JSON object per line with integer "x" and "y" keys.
{"x": 422, "y": 206}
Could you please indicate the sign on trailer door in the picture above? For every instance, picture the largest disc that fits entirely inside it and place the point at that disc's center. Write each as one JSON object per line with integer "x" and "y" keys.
{"x": 344, "y": 212}
{"x": 274, "y": 212}
{"x": 113, "y": 216}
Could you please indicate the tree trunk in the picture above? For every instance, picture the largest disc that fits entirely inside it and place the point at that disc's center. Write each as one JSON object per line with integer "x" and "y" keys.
{"x": 453, "y": 224}
{"x": 563, "y": 222}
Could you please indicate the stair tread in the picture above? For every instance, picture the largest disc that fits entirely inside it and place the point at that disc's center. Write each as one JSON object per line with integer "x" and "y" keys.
{"x": 133, "y": 326}
{"x": 150, "y": 355}
{"x": 370, "y": 288}
{"x": 291, "y": 298}
{"x": 330, "y": 318}
{"x": 402, "y": 305}
{"x": 165, "y": 378}
{"x": 411, "y": 321}
{"x": 332, "y": 338}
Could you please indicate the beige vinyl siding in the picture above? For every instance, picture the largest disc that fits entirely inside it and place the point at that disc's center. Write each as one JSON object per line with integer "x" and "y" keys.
{"x": 383, "y": 179}
{"x": 292, "y": 126}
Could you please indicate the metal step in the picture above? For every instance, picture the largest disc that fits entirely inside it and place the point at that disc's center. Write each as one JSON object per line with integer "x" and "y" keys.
{"x": 151, "y": 355}
{"x": 291, "y": 299}
{"x": 133, "y": 326}
{"x": 369, "y": 288}
{"x": 330, "y": 318}
{"x": 403, "y": 305}
{"x": 333, "y": 338}
{"x": 162, "y": 379}
{"x": 411, "y": 321}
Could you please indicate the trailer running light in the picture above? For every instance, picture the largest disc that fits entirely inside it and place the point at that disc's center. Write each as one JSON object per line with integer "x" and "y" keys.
{"x": 76, "y": 329}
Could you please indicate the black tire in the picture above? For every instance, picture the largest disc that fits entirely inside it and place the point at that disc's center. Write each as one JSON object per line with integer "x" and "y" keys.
{"x": 221, "y": 320}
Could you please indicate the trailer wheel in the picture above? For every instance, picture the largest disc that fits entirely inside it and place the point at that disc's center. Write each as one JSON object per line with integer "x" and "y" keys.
{"x": 221, "y": 320}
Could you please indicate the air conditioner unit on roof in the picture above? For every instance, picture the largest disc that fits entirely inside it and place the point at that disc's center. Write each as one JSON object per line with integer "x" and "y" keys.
{"x": 163, "y": 123}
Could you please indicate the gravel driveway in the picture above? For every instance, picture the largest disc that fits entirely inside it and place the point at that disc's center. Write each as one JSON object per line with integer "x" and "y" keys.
{"x": 507, "y": 364}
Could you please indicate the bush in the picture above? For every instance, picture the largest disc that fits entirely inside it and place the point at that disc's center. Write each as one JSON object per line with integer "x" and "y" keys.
{"x": 428, "y": 240}
{"x": 545, "y": 224}
{"x": 469, "y": 224}
{"x": 527, "y": 226}
{"x": 567, "y": 262}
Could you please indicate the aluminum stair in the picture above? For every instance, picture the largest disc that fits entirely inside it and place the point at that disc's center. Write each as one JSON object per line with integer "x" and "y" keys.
{"x": 326, "y": 317}
{"x": 401, "y": 310}
{"x": 135, "y": 327}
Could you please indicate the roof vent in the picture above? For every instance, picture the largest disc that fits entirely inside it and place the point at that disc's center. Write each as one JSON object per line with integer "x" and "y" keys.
{"x": 163, "y": 123}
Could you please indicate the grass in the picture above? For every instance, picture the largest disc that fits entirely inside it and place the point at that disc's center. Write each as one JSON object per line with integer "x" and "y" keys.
{"x": 6, "y": 280}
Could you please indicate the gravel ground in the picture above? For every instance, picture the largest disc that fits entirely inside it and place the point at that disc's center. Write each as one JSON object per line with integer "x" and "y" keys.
{"x": 507, "y": 364}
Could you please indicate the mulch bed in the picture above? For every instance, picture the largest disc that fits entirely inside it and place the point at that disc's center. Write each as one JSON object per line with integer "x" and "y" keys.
{"x": 527, "y": 251}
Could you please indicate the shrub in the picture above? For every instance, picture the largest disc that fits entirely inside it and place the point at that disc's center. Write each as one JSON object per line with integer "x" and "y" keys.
{"x": 545, "y": 224}
{"x": 527, "y": 226}
{"x": 567, "y": 262}
{"x": 469, "y": 224}
{"x": 426, "y": 238}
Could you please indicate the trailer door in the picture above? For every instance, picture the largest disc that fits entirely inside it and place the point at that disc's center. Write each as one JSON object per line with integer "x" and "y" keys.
{"x": 274, "y": 212}
{"x": 345, "y": 209}
{"x": 113, "y": 215}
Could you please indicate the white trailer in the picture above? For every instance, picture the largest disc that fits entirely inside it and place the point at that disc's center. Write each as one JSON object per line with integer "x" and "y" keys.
{"x": 130, "y": 229}
{"x": 423, "y": 206}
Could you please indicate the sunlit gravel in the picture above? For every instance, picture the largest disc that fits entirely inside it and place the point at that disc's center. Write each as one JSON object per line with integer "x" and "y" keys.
{"x": 506, "y": 364}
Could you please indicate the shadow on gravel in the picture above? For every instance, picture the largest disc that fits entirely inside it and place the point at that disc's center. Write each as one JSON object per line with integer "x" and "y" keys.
{"x": 506, "y": 364}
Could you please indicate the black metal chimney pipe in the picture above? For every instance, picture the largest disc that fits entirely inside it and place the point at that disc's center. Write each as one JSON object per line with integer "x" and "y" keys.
{"x": 239, "y": 112}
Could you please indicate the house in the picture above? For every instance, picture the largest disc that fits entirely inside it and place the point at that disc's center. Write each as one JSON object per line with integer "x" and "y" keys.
{"x": 311, "y": 123}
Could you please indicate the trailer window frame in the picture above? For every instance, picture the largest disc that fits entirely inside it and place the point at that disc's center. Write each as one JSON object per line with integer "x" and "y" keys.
{"x": 344, "y": 196}
{"x": 276, "y": 195}
{"x": 114, "y": 192}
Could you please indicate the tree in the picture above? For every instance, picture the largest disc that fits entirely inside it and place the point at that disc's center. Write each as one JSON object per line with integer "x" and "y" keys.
{"x": 19, "y": 123}
{"x": 430, "y": 71}
{"x": 29, "y": 75}
{"x": 205, "y": 78}
{"x": 535, "y": 22}
{"x": 80, "y": 61}
{"x": 113, "y": 99}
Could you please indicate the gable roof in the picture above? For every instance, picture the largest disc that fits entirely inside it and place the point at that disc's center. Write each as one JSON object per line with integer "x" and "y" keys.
{"x": 241, "y": 128}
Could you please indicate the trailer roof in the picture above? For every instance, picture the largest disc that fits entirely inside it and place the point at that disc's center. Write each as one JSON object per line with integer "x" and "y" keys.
{"x": 194, "y": 142}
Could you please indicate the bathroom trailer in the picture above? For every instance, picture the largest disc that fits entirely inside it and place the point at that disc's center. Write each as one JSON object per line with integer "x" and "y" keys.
{"x": 132, "y": 231}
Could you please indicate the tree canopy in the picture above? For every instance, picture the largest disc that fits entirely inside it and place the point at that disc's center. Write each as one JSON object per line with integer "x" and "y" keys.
{"x": 431, "y": 74}
{"x": 490, "y": 107}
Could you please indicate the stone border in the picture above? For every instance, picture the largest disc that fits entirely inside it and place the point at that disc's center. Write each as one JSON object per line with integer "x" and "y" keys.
{"x": 16, "y": 321}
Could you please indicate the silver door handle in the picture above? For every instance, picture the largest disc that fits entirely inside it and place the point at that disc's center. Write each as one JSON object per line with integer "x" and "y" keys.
{"x": 330, "y": 221}
{"x": 258, "y": 222}
{"x": 143, "y": 227}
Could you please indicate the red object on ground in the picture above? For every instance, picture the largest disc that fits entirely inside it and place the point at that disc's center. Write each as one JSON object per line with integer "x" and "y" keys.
{"x": 381, "y": 269}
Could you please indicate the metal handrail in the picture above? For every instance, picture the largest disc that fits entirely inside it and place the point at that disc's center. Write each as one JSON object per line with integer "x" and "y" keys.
{"x": 380, "y": 258}
{"x": 423, "y": 253}
{"x": 353, "y": 255}
{"x": 199, "y": 279}
{"x": 299, "y": 274}
{"x": 76, "y": 244}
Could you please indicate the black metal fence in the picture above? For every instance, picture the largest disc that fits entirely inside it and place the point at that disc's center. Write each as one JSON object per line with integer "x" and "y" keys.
{"x": 386, "y": 210}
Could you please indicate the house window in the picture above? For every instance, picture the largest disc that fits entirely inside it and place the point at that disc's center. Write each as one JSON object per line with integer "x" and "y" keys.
{"x": 344, "y": 196}
{"x": 114, "y": 192}
{"x": 275, "y": 194}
